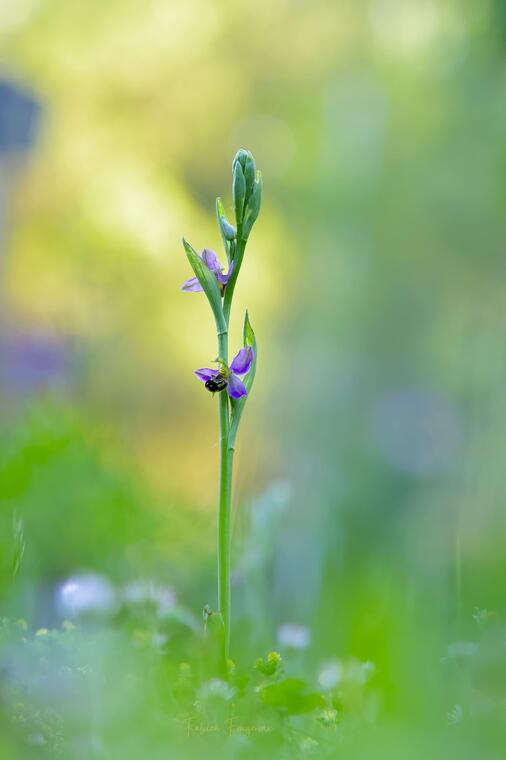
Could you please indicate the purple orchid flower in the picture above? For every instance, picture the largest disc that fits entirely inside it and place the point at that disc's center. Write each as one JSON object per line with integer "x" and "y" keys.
{"x": 212, "y": 262}
{"x": 216, "y": 380}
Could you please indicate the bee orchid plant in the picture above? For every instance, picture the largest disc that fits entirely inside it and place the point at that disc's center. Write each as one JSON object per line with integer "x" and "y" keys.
{"x": 231, "y": 382}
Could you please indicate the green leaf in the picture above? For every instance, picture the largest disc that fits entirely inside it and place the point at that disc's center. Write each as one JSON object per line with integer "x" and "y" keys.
{"x": 250, "y": 340}
{"x": 209, "y": 285}
{"x": 238, "y": 404}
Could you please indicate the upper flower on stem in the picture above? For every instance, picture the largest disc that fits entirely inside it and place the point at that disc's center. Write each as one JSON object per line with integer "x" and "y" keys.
{"x": 212, "y": 262}
{"x": 217, "y": 380}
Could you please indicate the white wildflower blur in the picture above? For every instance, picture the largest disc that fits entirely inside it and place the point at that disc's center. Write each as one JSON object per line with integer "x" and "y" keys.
{"x": 85, "y": 594}
{"x": 215, "y": 688}
{"x": 330, "y": 674}
{"x": 294, "y": 636}
{"x": 148, "y": 592}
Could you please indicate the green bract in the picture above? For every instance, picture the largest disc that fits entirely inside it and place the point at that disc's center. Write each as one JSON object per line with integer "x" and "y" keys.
{"x": 238, "y": 404}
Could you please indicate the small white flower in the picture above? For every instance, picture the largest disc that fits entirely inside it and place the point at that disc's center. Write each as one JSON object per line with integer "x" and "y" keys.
{"x": 216, "y": 689}
{"x": 148, "y": 592}
{"x": 166, "y": 599}
{"x": 87, "y": 593}
{"x": 330, "y": 674}
{"x": 294, "y": 636}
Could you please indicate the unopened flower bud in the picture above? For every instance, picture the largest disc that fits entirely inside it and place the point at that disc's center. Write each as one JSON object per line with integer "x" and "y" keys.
{"x": 252, "y": 206}
{"x": 250, "y": 171}
{"x": 241, "y": 157}
{"x": 238, "y": 192}
{"x": 246, "y": 161}
{"x": 229, "y": 232}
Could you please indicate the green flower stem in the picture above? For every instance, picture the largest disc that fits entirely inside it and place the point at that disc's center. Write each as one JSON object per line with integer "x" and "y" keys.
{"x": 229, "y": 290}
{"x": 226, "y": 464}
{"x": 219, "y": 290}
{"x": 225, "y": 503}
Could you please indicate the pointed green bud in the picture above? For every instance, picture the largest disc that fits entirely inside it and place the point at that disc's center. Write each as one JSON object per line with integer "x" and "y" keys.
{"x": 240, "y": 157}
{"x": 256, "y": 195}
{"x": 238, "y": 192}
{"x": 252, "y": 206}
{"x": 227, "y": 230}
{"x": 250, "y": 171}
{"x": 246, "y": 161}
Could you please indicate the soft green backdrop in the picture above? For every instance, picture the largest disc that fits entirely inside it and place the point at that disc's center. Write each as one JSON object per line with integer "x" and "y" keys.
{"x": 375, "y": 280}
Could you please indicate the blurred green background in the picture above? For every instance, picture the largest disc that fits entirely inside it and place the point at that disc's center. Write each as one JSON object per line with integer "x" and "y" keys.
{"x": 369, "y": 498}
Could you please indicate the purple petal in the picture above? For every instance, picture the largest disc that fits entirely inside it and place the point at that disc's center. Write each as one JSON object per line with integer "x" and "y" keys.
{"x": 242, "y": 362}
{"x": 191, "y": 286}
{"x": 206, "y": 373}
{"x": 211, "y": 260}
{"x": 224, "y": 278}
{"x": 235, "y": 387}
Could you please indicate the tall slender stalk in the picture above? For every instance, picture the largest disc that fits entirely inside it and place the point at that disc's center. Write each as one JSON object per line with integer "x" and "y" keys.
{"x": 229, "y": 291}
{"x": 226, "y": 468}
{"x": 219, "y": 289}
{"x": 225, "y": 505}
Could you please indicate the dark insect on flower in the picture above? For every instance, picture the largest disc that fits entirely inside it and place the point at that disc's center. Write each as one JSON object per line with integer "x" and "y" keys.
{"x": 216, "y": 380}
{"x": 217, "y": 383}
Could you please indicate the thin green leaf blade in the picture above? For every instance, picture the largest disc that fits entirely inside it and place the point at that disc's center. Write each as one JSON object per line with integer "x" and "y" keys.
{"x": 250, "y": 340}
{"x": 239, "y": 404}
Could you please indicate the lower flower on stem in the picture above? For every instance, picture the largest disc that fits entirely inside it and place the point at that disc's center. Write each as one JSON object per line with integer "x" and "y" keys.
{"x": 217, "y": 380}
